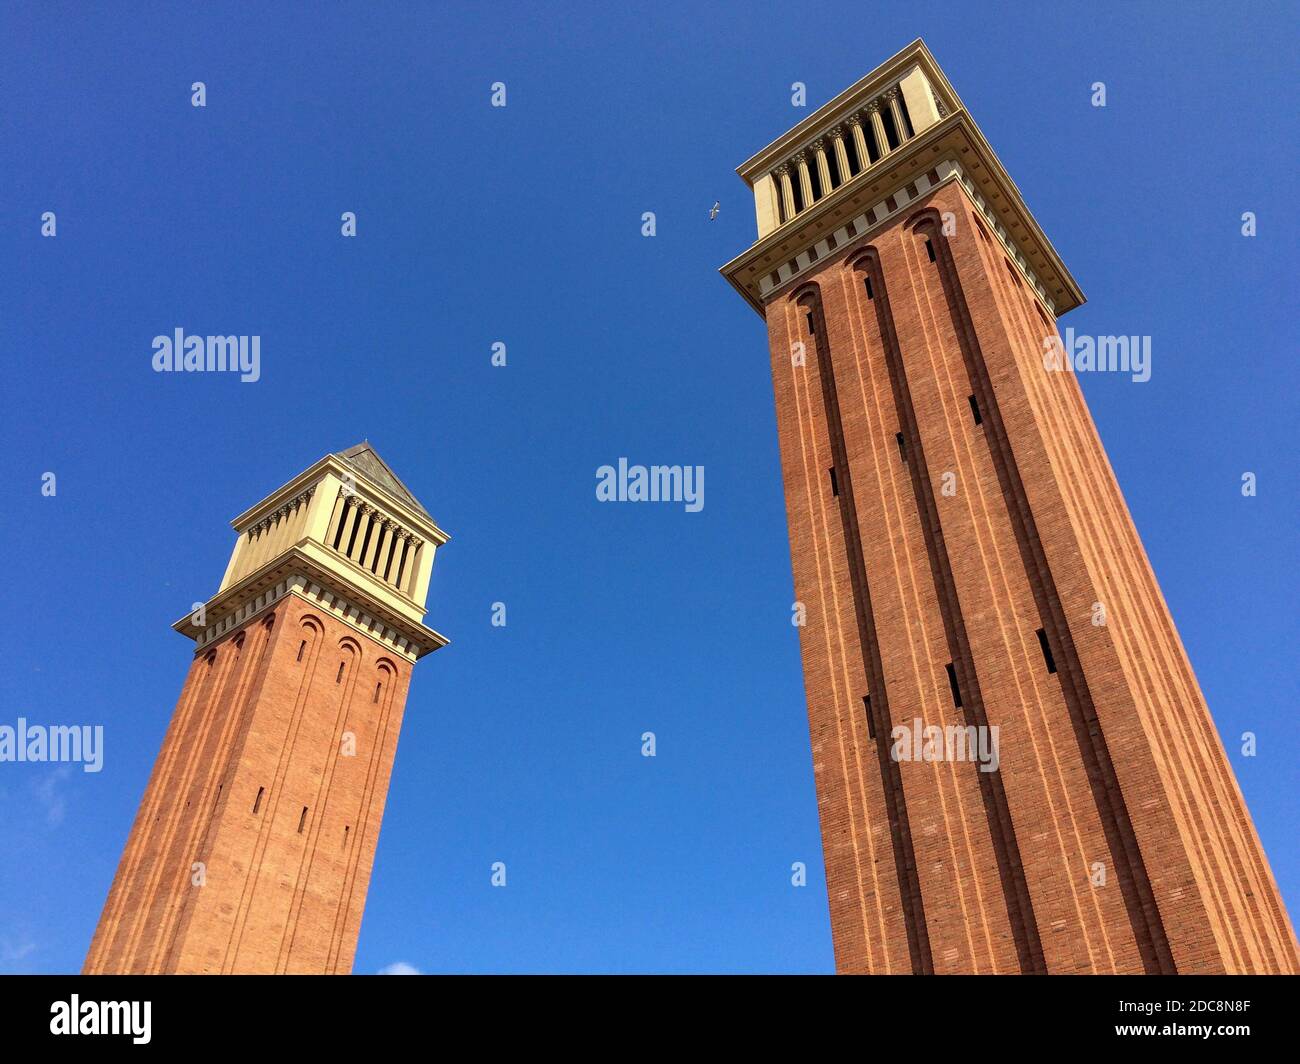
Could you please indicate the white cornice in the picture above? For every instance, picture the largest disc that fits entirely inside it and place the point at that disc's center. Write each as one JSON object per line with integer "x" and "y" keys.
{"x": 298, "y": 570}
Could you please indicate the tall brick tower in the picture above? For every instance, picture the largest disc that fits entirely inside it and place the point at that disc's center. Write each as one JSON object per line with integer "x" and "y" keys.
{"x": 966, "y": 561}
{"x": 253, "y": 845}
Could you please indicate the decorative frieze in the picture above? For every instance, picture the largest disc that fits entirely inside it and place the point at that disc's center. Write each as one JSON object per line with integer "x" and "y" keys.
{"x": 330, "y": 601}
{"x": 888, "y": 208}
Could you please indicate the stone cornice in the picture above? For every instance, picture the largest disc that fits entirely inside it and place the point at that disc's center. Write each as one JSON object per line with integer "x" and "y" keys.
{"x": 296, "y": 571}
{"x": 956, "y": 137}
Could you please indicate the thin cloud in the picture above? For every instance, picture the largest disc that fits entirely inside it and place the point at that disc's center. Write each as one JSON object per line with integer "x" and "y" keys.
{"x": 49, "y": 792}
{"x": 12, "y": 951}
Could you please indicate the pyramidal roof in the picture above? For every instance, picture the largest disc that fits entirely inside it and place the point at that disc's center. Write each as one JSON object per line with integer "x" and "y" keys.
{"x": 366, "y": 461}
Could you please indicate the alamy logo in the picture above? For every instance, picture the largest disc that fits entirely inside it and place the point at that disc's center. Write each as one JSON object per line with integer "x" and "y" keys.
{"x": 638, "y": 483}
{"x": 179, "y": 353}
{"x": 952, "y": 742}
{"x": 1086, "y": 354}
{"x": 58, "y": 742}
{"x": 102, "y": 1017}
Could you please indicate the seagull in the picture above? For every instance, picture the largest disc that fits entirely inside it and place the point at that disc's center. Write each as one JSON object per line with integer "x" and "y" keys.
{"x": 713, "y": 211}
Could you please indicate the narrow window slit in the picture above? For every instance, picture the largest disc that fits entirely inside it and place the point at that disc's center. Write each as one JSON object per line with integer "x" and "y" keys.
{"x": 301, "y": 647}
{"x": 302, "y": 820}
{"x": 929, "y": 248}
{"x": 851, "y": 149}
{"x": 870, "y": 293}
{"x": 873, "y": 145}
{"x": 378, "y": 687}
{"x": 975, "y": 409}
{"x": 891, "y": 131}
{"x": 835, "y": 481}
{"x": 952, "y": 684}
{"x": 339, "y": 677}
{"x": 871, "y": 724}
{"x": 257, "y": 802}
{"x": 1047, "y": 651}
{"x": 902, "y": 446}
{"x": 812, "y": 325}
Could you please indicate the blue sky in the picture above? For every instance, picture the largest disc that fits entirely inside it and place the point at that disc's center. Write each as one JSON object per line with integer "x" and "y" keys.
{"x": 522, "y": 225}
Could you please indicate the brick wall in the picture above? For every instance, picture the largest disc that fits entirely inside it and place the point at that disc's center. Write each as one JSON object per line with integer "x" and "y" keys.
{"x": 1110, "y": 765}
{"x": 265, "y": 709}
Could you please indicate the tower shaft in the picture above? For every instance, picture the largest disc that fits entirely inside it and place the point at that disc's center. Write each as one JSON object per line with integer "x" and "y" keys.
{"x": 1015, "y": 767}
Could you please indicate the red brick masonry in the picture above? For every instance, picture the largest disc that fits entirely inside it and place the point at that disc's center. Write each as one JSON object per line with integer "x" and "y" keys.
{"x": 257, "y": 737}
{"x": 1110, "y": 766}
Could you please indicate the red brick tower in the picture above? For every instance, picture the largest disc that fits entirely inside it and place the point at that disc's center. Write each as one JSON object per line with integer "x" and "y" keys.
{"x": 253, "y": 845}
{"x": 966, "y": 562}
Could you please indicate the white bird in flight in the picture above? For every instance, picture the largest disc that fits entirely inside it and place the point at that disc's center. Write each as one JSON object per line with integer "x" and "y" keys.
{"x": 713, "y": 211}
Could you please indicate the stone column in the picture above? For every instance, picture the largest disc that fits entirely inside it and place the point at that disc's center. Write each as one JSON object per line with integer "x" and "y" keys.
{"x": 841, "y": 153}
{"x": 859, "y": 141}
{"x": 280, "y": 530}
{"x": 407, "y": 546}
{"x": 823, "y": 166}
{"x": 375, "y": 557}
{"x": 878, "y": 128}
{"x": 805, "y": 179}
{"x": 414, "y": 557}
{"x": 351, "y": 512}
{"x": 336, "y": 518}
{"x": 782, "y": 174}
{"x": 360, "y": 514}
{"x": 254, "y": 550}
{"x": 896, "y": 109}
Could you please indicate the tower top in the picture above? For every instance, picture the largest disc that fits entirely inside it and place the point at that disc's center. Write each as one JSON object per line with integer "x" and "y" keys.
{"x": 860, "y": 159}
{"x": 345, "y": 533}
{"x": 366, "y": 461}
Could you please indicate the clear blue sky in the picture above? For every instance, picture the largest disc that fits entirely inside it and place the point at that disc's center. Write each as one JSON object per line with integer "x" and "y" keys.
{"x": 522, "y": 225}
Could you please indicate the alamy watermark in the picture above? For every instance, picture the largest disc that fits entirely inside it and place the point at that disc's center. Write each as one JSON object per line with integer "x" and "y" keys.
{"x": 951, "y": 742}
{"x": 121, "y": 1018}
{"x": 1114, "y": 354}
{"x": 179, "y": 353}
{"x": 638, "y": 483}
{"x": 58, "y": 742}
